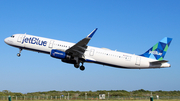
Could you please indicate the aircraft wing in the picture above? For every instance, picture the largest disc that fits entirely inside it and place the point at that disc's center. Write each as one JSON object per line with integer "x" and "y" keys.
{"x": 79, "y": 48}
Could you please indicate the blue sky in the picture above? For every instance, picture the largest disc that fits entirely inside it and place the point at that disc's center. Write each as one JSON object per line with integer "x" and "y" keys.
{"x": 131, "y": 26}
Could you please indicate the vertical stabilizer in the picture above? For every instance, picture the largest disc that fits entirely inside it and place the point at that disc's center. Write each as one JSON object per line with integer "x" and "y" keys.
{"x": 159, "y": 50}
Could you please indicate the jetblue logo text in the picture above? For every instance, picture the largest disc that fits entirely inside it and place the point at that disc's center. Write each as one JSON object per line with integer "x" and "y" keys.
{"x": 58, "y": 53}
{"x": 155, "y": 52}
{"x": 34, "y": 40}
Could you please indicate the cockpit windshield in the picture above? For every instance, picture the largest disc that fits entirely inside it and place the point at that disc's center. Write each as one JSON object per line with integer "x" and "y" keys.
{"x": 12, "y": 36}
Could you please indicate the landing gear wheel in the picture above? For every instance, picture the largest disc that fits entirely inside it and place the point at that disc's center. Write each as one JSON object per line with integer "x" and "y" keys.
{"x": 82, "y": 68}
{"x": 18, "y": 54}
{"x": 76, "y": 65}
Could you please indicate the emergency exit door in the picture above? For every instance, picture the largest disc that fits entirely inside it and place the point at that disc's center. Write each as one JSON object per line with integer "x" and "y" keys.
{"x": 51, "y": 44}
{"x": 91, "y": 52}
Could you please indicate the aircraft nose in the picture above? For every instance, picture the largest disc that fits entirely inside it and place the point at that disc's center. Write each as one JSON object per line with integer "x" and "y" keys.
{"x": 6, "y": 40}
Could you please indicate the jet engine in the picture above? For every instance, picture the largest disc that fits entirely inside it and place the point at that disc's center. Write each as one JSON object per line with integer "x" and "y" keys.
{"x": 59, "y": 54}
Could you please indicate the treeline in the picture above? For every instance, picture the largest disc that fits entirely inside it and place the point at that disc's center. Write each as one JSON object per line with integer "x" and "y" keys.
{"x": 139, "y": 93}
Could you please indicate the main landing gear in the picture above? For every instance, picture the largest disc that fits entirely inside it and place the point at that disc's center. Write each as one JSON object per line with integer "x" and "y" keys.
{"x": 77, "y": 62}
{"x": 76, "y": 65}
{"x": 81, "y": 67}
{"x": 19, "y": 54}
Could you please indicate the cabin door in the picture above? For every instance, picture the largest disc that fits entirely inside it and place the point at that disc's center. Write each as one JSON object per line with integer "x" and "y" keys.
{"x": 138, "y": 61}
{"x": 20, "y": 38}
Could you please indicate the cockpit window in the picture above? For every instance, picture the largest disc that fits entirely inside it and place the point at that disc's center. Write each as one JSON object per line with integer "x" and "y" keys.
{"x": 12, "y": 36}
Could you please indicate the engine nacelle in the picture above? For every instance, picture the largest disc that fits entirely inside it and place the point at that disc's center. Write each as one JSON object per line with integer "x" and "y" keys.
{"x": 59, "y": 54}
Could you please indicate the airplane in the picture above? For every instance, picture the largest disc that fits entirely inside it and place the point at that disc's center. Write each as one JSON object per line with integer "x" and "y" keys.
{"x": 79, "y": 53}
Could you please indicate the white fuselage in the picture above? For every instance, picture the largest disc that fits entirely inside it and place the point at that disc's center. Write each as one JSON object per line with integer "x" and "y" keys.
{"x": 92, "y": 54}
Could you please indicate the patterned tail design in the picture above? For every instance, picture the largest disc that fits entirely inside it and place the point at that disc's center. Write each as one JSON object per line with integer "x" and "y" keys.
{"x": 159, "y": 50}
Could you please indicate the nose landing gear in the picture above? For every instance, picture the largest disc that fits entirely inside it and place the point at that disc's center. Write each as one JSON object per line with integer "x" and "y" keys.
{"x": 19, "y": 54}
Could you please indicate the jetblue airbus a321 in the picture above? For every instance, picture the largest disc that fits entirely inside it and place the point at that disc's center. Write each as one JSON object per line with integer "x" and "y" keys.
{"x": 79, "y": 53}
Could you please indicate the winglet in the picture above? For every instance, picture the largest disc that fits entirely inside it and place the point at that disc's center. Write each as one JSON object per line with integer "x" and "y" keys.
{"x": 92, "y": 33}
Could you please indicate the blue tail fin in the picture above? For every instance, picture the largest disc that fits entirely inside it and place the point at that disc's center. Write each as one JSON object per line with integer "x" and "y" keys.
{"x": 159, "y": 50}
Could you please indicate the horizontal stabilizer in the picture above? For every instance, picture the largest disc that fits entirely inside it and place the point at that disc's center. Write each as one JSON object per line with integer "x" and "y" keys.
{"x": 159, "y": 62}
